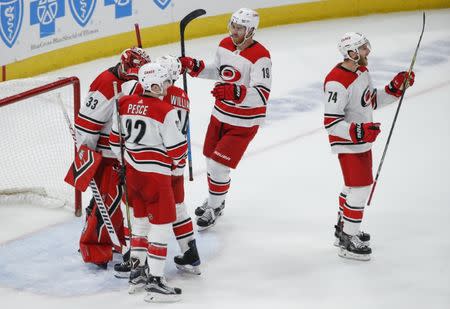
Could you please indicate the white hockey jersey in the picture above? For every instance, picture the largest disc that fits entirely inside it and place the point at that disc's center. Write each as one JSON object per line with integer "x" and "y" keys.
{"x": 350, "y": 98}
{"x": 93, "y": 123}
{"x": 150, "y": 127}
{"x": 252, "y": 68}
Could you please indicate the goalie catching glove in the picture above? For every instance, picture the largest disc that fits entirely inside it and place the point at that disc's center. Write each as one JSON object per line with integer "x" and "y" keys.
{"x": 229, "y": 92}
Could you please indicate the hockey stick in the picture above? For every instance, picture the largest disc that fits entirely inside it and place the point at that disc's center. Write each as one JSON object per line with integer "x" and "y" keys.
{"x": 183, "y": 24}
{"x": 122, "y": 160}
{"x": 138, "y": 34}
{"x": 93, "y": 185}
{"x": 397, "y": 111}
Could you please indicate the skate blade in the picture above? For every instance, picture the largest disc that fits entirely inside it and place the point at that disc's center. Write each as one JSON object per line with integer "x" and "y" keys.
{"x": 336, "y": 242}
{"x": 204, "y": 228}
{"x": 136, "y": 288}
{"x": 122, "y": 275}
{"x": 162, "y": 298}
{"x": 348, "y": 255}
{"x": 194, "y": 270}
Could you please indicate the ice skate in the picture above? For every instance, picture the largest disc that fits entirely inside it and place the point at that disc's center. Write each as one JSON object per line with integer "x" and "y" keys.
{"x": 122, "y": 270}
{"x": 200, "y": 210}
{"x": 351, "y": 247}
{"x": 363, "y": 236}
{"x": 190, "y": 261}
{"x": 159, "y": 292}
{"x": 138, "y": 276}
{"x": 209, "y": 216}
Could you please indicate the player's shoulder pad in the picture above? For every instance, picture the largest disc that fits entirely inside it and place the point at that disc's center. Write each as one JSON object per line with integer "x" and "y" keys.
{"x": 177, "y": 91}
{"x": 255, "y": 52}
{"x": 104, "y": 84}
{"x": 341, "y": 75}
{"x": 228, "y": 44}
{"x": 158, "y": 109}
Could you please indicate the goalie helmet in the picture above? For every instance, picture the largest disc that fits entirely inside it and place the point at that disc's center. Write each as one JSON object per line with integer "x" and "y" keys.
{"x": 351, "y": 41}
{"x": 134, "y": 57}
{"x": 247, "y": 18}
{"x": 154, "y": 74}
{"x": 172, "y": 64}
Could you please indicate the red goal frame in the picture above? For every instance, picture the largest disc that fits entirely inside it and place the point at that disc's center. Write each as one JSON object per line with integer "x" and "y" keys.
{"x": 75, "y": 82}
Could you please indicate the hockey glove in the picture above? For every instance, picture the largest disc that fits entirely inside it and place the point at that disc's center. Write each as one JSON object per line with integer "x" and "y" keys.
{"x": 229, "y": 92}
{"x": 364, "y": 132}
{"x": 395, "y": 87}
{"x": 191, "y": 65}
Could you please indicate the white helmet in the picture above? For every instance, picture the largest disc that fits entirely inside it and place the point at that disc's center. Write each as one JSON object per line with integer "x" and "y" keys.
{"x": 247, "y": 18}
{"x": 172, "y": 64}
{"x": 351, "y": 41}
{"x": 153, "y": 74}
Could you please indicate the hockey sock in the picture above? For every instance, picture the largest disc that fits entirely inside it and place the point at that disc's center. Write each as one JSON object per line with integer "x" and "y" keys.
{"x": 182, "y": 228}
{"x": 354, "y": 209}
{"x": 218, "y": 182}
{"x": 157, "y": 248}
{"x": 139, "y": 241}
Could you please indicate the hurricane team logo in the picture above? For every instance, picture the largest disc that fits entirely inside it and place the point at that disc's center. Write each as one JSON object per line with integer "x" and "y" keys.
{"x": 162, "y": 4}
{"x": 45, "y": 13}
{"x": 123, "y": 8}
{"x": 229, "y": 74}
{"x": 10, "y": 20}
{"x": 82, "y": 10}
{"x": 368, "y": 97}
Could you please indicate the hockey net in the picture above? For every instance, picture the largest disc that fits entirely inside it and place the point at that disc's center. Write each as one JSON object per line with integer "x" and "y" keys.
{"x": 36, "y": 144}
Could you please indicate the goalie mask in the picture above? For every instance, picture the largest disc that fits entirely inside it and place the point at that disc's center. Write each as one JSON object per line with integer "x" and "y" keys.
{"x": 131, "y": 60}
{"x": 247, "y": 18}
{"x": 352, "y": 41}
{"x": 154, "y": 74}
{"x": 172, "y": 65}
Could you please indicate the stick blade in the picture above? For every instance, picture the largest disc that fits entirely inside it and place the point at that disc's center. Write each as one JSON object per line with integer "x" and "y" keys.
{"x": 189, "y": 17}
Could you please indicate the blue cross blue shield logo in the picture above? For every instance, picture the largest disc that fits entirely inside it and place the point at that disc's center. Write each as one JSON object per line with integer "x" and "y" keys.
{"x": 122, "y": 7}
{"x": 162, "y": 3}
{"x": 82, "y": 10}
{"x": 45, "y": 13}
{"x": 10, "y": 20}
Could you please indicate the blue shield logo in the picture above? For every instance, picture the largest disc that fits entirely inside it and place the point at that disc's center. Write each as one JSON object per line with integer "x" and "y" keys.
{"x": 162, "y": 3}
{"x": 122, "y": 8}
{"x": 11, "y": 15}
{"x": 45, "y": 13}
{"x": 82, "y": 10}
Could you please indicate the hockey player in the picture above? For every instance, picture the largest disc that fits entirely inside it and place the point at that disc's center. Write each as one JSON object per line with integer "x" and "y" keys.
{"x": 93, "y": 125}
{"x": 243, "y": 70}
{"x": 153, "y": 143}
{"x": 183, "y": 230}
{"x": 189, "y": 261}
{"x": 350, "y": 99}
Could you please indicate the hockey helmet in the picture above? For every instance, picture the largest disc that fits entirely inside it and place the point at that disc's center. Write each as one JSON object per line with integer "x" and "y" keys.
{"x": 172, "y": 64}
{"x": 247, "y": 18}
{"x": 134, "y": 57}
{"x": 154, "y": 74}
{"x": 351, "y": 41}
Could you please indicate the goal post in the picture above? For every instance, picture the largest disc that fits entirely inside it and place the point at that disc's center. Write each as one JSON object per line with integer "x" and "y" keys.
{"x": 36, "y": 147}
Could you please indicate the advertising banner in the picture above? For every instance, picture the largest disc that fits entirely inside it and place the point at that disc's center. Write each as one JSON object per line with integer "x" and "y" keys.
{"x": 32, "y": 27}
